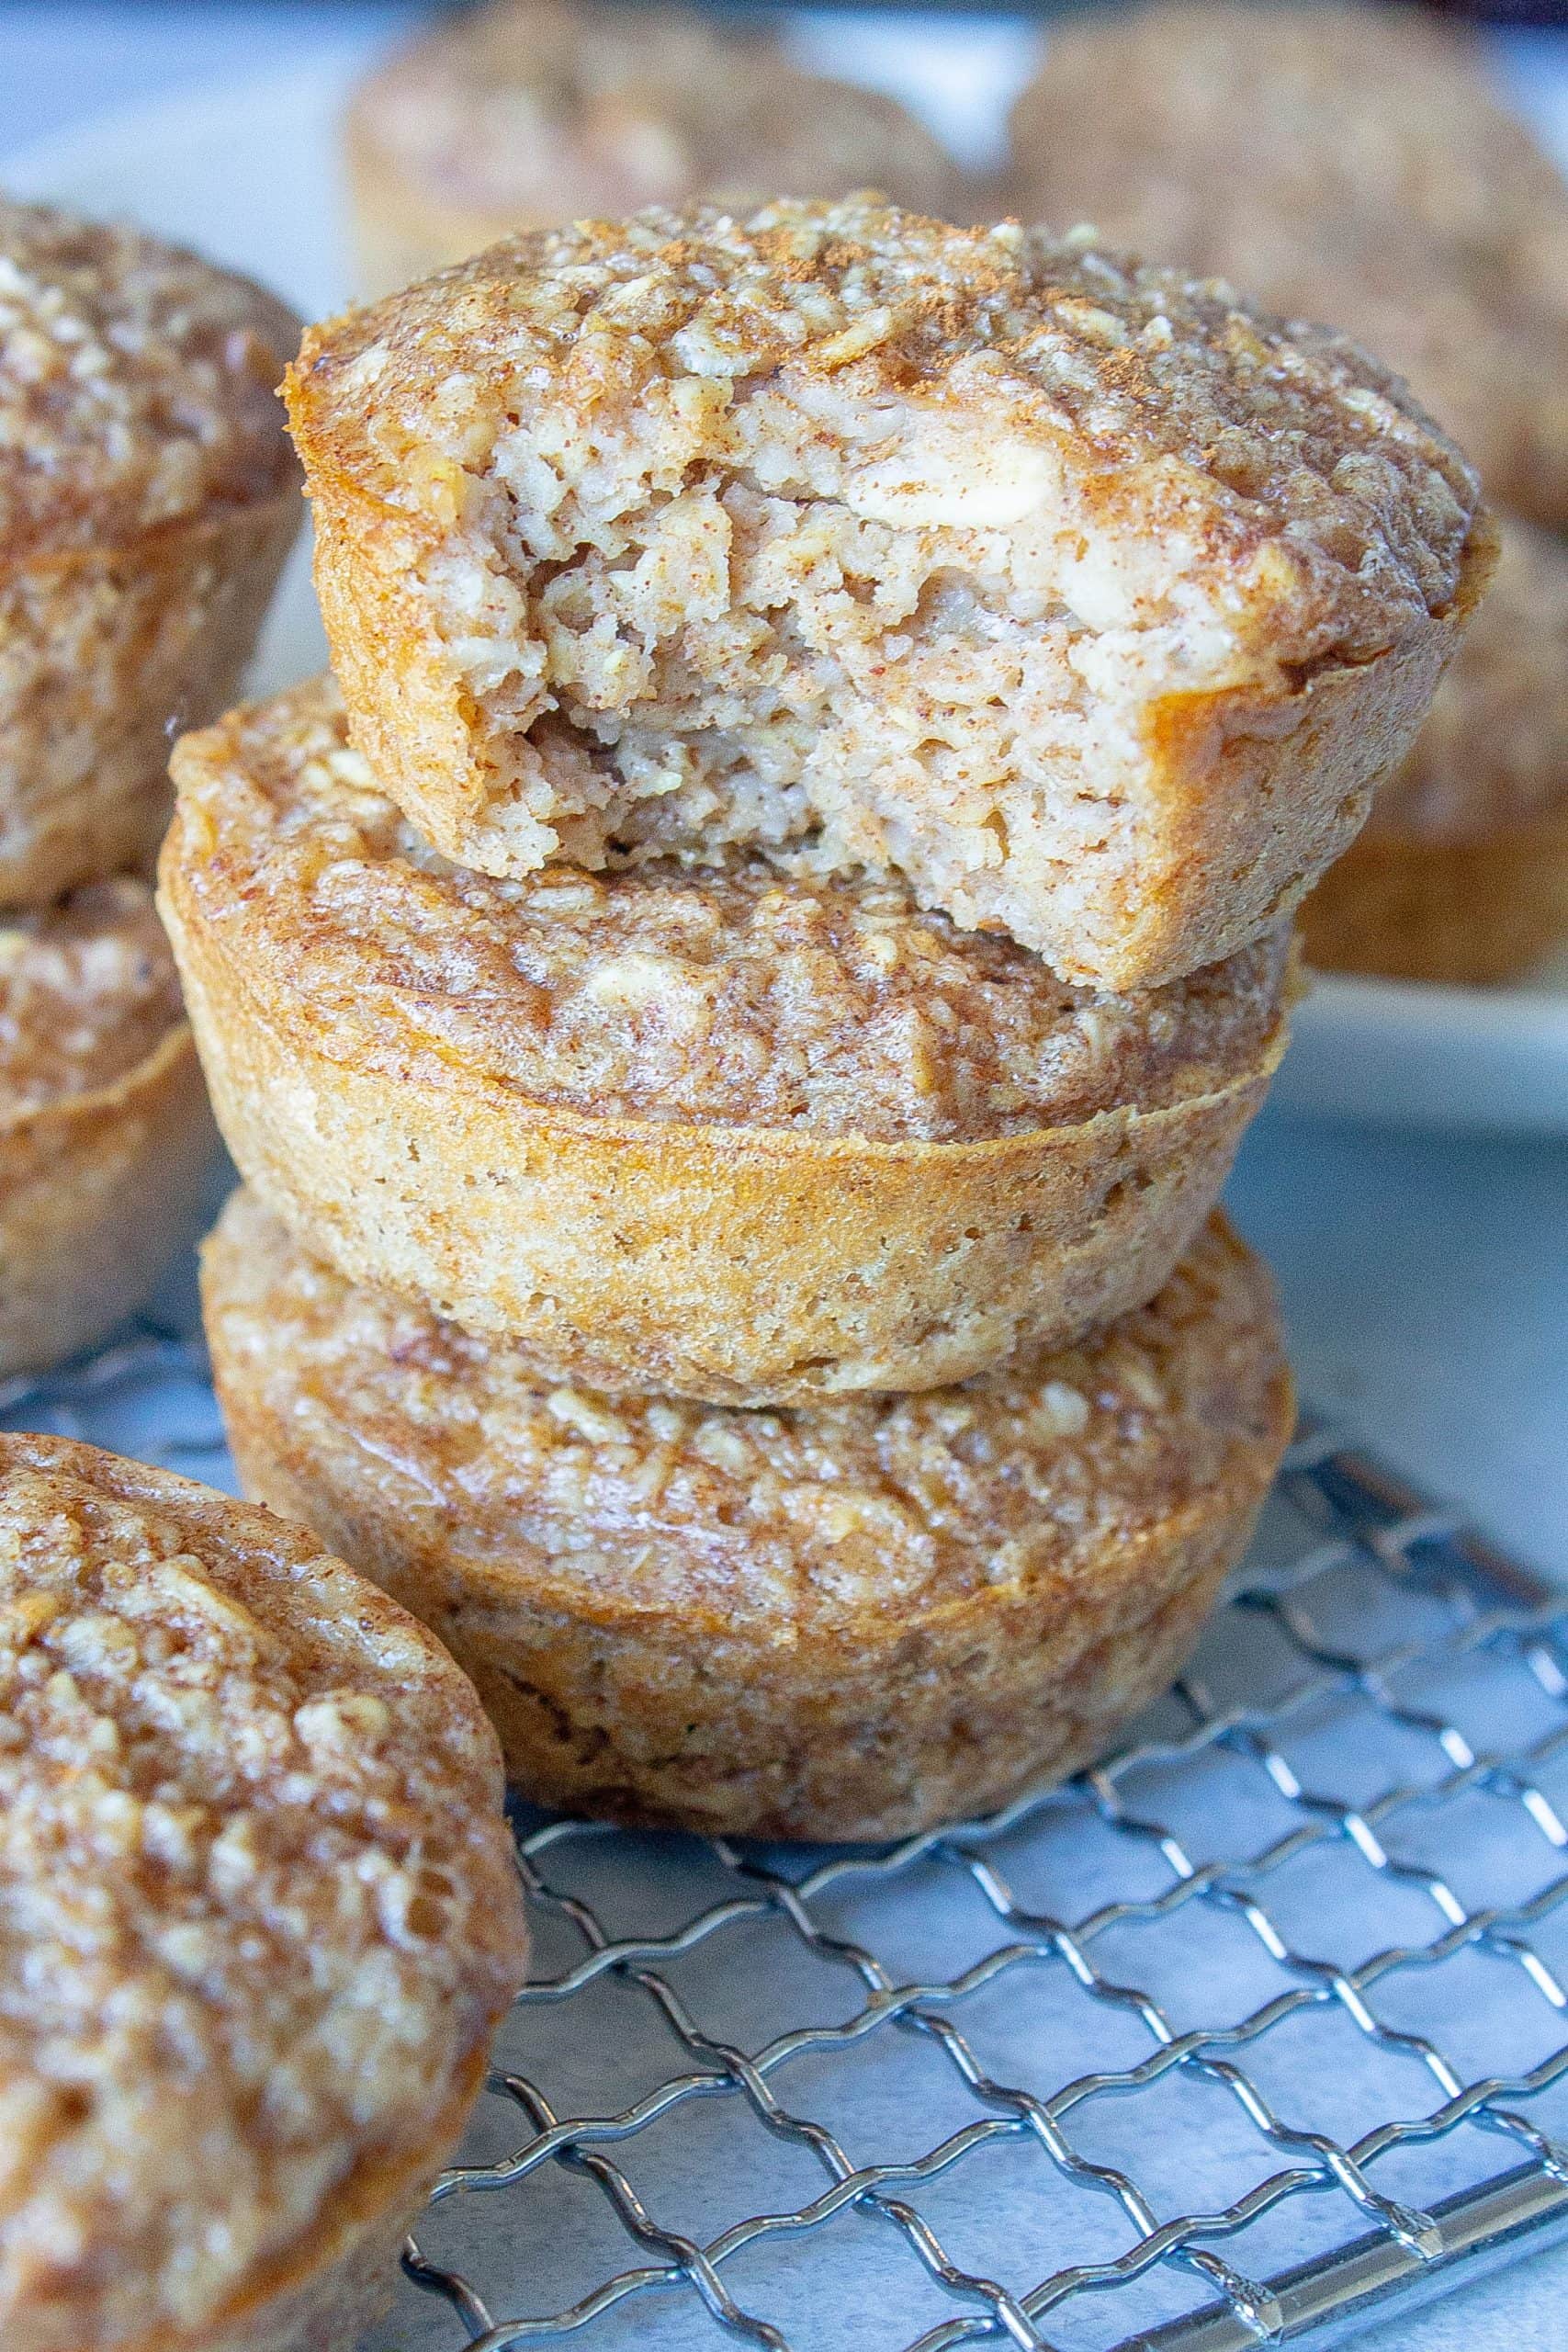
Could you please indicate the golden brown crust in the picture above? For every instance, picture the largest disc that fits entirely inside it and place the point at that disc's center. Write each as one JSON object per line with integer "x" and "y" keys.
{"x": 1110, "y": 598}
{"x": 260, "y": 1913}
{"x": 361, "y": 1013}
{"x": 105, "y": 651}
{"x": 522, "y": 113}
{"x": 105, "y": 1130}
{"x": 849, "y": 1620}
{"x": 1345, "y": 162}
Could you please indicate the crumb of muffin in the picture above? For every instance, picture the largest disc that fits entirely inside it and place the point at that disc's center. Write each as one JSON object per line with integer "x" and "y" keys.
{"x": 1079, "y": 593}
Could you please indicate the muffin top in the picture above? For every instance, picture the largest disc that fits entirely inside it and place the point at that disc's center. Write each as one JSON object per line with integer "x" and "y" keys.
{"x": 853, "y": 1506}
{"x": 734, "y": 992}
{"x": 606, "y": 359}
{"x": 87, "y": 990}
{"x": 527, "y": 109}
{"x": 258, "y": 1911}
{"x": 138, "y": 384}
{"x": 1494, "y": 750}
{"x": 1340, "y": 163}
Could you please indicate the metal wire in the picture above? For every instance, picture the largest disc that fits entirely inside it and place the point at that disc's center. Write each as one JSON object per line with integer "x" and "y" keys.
{"x": 1254, "y": 2029}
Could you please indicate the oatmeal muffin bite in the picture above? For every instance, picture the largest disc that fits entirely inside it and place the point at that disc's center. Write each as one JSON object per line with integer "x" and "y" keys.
{"x": 1079, "y": 593}
{"x": 1461, "y": 874}
{"x": 849, "y": 1620}
{"x": 722, "y": 1130}
{"x": 259, "y": 1915}
{"x": 147, "y": 497}
{"x": 105, "y": 1131}
{"x": 525, "y": 113}
{"x": 1344, "y": 162}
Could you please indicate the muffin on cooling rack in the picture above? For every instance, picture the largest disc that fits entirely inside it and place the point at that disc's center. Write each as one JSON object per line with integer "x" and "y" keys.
{"x": 259, "y": 1915}
{"x": 526, "y": 113}
{"x": 735, "y": 1131}
{"x": 1084, "y": 596}
{"x": 103, "y": 1127}
{"x": 1461, "y": 874}
{"x": 849, "y": 1620}
{"x": 1340, "y": 163}
{"x": 147, "y": 497}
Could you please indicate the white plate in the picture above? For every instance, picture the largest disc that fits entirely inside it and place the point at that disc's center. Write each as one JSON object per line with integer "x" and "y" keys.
{"x": 248, "y": 173}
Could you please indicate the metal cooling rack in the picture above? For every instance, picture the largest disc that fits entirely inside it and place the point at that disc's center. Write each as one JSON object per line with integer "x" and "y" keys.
{"x": 1253, "y": 2033}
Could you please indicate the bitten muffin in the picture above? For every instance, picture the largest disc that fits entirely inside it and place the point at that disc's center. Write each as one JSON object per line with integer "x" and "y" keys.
{"x": 851, "y": 1620}
{"x": 105, "y": 1131}
{"x": 1461, "y": 874}
{"x": 259, "y": 1915}
{"x": 523, "y": 114}
{"x": 741, "y": 1134}
{"x": 147, "y": 497}
{"x": 1344, "y": 162}
{"x": 1086, "y": 598}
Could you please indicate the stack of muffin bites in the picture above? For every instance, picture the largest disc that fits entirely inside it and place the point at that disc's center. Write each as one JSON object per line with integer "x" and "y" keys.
{"x": 148, "y": 498}
{"x": 736, "y": 1007}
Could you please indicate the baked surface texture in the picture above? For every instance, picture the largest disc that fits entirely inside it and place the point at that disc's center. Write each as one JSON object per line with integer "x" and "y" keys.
{"x": 1461, "y": 874}
{"x": 523, "y": 113}
{"x": 849, "y": 1620}
{"x": 105, "y": 1131}
{"x": 1341, "y": 163}
{"x": 1086, "y": 597}
{"x": 737, "y": 1133}
{"x": 258, "y": 1915}
{"x": 148, "y": 498}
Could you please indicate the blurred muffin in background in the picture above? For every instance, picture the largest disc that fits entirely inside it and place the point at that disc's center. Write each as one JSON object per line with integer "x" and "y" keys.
{"x": 1344, "y": 163}
{"x": 526, "y": 113}
{"x": 1461, "y": 872}
{"x": 148, "y": 498}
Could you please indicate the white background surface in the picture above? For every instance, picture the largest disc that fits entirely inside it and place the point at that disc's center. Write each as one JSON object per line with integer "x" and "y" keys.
{"x": 1426, "y": 1277}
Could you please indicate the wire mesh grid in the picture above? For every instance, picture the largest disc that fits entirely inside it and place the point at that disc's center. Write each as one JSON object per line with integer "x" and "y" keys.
{"x": 1249, "y": 2032}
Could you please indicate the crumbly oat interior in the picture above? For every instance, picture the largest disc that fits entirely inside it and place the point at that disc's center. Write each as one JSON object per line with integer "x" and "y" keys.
{"x": 727, "y": 993}
{"x": 257, "y": 1906}
{"x": 853, "y": 1505}
{"x": 1494, "y": 750}
{"x": 87, "y": 990}
{"x": 1346, "y": 163}
{"x": 526, "y": 109}
{"x": 836, "y": 526}
{"x": 138, "y": 384}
